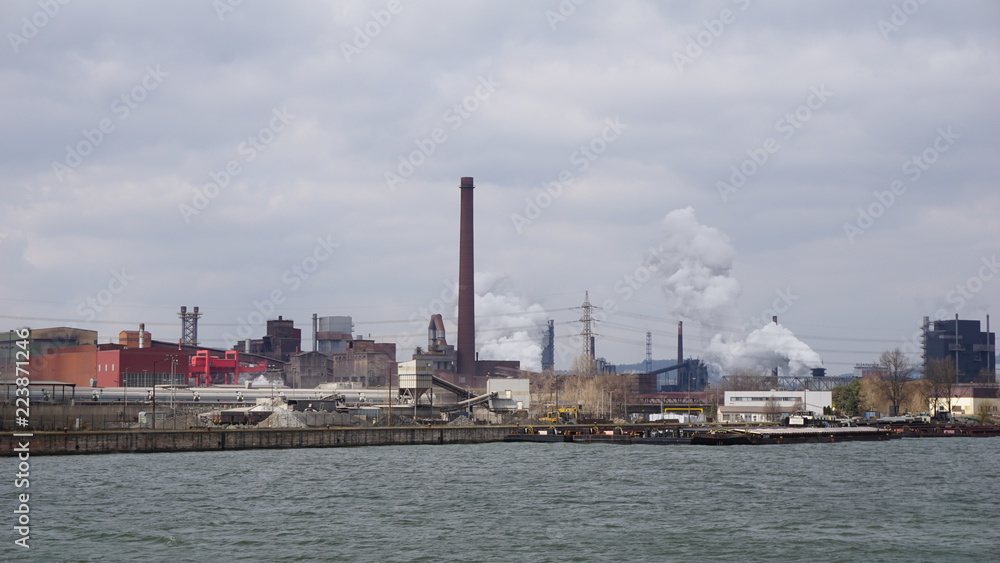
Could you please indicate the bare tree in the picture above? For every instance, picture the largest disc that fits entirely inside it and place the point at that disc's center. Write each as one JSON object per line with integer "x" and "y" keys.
{"x": 893, "y": 384}
{"x": 772, "y": 411}
{"x": 985, "y": 376}
{"x": 584, "y": 365}
{"x": 939, "y": 383}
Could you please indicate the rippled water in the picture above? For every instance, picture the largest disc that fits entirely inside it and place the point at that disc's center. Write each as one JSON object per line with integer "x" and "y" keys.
{"x": 905, "y": 500}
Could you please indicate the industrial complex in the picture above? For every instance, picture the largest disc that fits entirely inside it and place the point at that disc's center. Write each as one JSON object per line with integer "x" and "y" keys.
{"x": 346, "y": 375}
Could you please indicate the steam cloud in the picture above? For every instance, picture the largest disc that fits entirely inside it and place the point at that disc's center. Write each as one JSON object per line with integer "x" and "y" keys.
{"x": 507, "y": 326}
{"x": 694, "y": 264}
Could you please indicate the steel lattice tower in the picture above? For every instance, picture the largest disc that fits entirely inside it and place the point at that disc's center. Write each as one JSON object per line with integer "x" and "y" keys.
{"x": 588, "y": 332}
{"x": 189, "y": 326}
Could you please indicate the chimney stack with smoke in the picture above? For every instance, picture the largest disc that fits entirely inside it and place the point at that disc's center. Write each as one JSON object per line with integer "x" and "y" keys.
{"x": 680, "y": 342}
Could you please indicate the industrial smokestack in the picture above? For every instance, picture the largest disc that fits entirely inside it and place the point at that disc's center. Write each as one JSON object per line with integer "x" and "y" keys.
{"x": 315, "y": 330}
{"x": 466, "y": 285}
{"x": 774, "y": 319}
{"x": 680, "y": 342}
{"x": 142, "y": 335}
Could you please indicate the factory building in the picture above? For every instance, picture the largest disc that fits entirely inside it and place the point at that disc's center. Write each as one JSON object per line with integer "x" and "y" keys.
{"x": 439, "y": 355}
{"x": 962, "y": 342}
{"x": 772, "y": 406}
{"x": 42, "y": 342}
{"x": 307, "y": 370}
{"x": 336, "y": 357}
{"x": 331, "y": 335}
{"x": 969, "y": 400}
{"x": 112, "y": 365}
{"x": 366, "y": 363}
{"x": 70, "y": 355}
{"x": 280, "y": 341}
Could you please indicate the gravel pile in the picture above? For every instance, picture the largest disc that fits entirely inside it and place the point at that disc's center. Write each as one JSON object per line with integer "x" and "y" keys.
{"x": 283, "y": 419}
{"x": 462, "y": 421}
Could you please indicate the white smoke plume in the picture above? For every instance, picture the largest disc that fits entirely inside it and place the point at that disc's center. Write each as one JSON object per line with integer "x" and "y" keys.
{"x": 770, "y": 346}
{"x": 694, "y": 262}
{"x": 694, "y": 265}
{"x": 507, "y": 326}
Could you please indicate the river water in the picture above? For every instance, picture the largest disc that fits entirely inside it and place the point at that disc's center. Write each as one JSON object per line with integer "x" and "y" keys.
{"x": 904, "y": 500}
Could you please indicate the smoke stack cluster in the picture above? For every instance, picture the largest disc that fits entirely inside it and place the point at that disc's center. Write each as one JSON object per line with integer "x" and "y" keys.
{"x": 466, "y": 285}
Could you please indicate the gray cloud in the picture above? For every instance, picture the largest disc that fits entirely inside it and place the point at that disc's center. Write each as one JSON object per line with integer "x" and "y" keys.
{"x": 324, "y": 174}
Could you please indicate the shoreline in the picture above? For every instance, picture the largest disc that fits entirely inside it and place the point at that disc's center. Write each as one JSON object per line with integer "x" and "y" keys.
{"x": 96, "y": 442}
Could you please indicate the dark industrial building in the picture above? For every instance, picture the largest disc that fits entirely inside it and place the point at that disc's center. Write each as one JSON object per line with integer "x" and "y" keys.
{"x": 963, "y": 342}
{"x": 280, "y": 342}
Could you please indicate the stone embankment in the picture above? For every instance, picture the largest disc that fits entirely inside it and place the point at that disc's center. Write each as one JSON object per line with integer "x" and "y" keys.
{"x": 136, "y": 441}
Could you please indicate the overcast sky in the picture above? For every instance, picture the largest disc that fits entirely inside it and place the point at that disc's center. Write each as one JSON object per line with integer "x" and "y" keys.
{"x": 302, "y": 158}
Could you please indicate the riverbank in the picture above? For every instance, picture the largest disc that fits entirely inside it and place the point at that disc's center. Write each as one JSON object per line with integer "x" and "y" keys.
{"x": 150, "y": 441}
{"x": 222, "y": 439}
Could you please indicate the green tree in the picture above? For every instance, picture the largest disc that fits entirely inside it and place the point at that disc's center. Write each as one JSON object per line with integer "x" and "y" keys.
{"x": 847, "y": 398}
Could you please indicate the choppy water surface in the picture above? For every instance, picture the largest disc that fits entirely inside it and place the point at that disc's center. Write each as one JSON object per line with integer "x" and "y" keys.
{"x": 906, "y": 500}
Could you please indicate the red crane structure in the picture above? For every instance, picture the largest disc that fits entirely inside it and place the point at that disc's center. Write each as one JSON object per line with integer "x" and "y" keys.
{"x": 212, "y": 370}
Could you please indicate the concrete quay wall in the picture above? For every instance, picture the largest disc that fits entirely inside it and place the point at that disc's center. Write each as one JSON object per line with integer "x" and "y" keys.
{"x": 143, "y": 441}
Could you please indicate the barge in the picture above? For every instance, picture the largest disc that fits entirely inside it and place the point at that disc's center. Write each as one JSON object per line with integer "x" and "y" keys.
{"x": 791, "y": 435}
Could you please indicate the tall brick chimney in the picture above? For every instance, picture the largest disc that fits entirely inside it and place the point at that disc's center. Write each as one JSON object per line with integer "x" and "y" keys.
{"x": 466, "y": 286}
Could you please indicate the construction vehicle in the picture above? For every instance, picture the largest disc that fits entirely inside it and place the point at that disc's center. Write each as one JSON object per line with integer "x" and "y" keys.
{"x": 568, "y": 415}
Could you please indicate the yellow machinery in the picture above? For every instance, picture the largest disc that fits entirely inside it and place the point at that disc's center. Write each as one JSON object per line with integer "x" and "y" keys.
{"x": 568, "y": 415}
